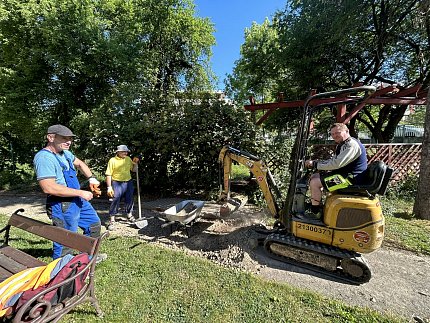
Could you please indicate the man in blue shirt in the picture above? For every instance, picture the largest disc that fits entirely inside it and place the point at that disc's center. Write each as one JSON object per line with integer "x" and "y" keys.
{"x": 66, "y": 204}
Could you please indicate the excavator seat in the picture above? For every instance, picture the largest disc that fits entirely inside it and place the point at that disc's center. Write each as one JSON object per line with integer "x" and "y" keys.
{"x": 377, "y": 176}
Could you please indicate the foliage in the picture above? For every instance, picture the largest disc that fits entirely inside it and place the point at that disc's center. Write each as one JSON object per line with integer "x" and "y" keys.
{"x": 277, "y": 153}
{"x": 371, "y": 42}
{"x": 256, "y": 71}
{"x": 179, "y": 139}
{"x": 360, "y": 45}
{"x": 239, "y": 172}
{"x": 61, "y": 60}
{"x": 21, "y": 178}
{"x": 407, "y": 188}
{"x": 161, "y": 285}
{"x": 416, "y": 117}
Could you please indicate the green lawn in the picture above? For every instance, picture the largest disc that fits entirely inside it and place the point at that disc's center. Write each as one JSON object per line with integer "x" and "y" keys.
{"x": 404, "y": 231}
{"x": 141, "y": 282}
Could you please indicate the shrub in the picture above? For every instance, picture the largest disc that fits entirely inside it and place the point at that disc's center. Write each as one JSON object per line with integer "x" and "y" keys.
{"x": 21, "y": 177}
{"x": 179, "y": 140}
{"x": 407, "y": 188}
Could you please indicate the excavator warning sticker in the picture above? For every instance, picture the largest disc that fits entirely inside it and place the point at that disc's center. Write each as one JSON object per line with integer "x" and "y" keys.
{"x": 361, "y": 236}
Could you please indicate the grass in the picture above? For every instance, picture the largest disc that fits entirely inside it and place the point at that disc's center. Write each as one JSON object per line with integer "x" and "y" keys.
{"x": 403, "y": 230}
{"x": 240, "y": 172}
{"x": 140, "y": 282}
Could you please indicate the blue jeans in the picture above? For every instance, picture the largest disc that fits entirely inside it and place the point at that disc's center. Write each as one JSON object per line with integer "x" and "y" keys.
{"x": 122, "y": 190}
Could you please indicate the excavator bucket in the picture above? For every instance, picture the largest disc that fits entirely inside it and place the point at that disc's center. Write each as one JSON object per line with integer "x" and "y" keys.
{"x": 232, "y": 204}
{"x": 230, "y": 201}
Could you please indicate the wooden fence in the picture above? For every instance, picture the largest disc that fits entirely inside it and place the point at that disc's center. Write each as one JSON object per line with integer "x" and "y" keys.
{"x": 404, "y": 158}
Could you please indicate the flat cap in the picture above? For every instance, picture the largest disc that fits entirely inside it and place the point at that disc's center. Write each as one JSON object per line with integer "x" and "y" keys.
{"x": 61, "y": 130}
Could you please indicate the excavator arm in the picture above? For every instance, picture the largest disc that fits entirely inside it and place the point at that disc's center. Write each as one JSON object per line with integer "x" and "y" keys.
{"x": 256, "y": 166}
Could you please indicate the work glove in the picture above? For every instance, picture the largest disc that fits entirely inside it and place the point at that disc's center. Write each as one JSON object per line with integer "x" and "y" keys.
{"x": 311, "y": 164}
{"x": 110, "y": 192}
{"x": 94, "y": 187}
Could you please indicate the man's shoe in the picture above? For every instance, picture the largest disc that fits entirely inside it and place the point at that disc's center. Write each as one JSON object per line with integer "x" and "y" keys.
{"x": 111, "y": 225}
{"x": 130, "y": 218}
{"x": 101, "y": 257}
{"x": 313, "y": 216}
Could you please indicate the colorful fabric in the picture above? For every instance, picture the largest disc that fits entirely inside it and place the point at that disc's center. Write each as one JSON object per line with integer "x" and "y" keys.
{"x": 30, "y": 278}
{"x": 60, "y": 264}
{"x": 119, "y": 168}
{"x": 76, "y": 265}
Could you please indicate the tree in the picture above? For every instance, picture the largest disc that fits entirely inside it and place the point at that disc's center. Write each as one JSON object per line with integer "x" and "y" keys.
{"x": 422, "y": 202}
{"x": 373, "y": 42}
{"x": 260, "y": 74}
{"x": 256, "y": 72}
{"x": 61, "y": 60}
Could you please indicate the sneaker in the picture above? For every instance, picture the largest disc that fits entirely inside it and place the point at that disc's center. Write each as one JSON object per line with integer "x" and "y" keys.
{"x": 111, "y": 225}
{"x": 101, "y": 257}
{"x": 131, "y": 218}
{"x": 313, "y": 216}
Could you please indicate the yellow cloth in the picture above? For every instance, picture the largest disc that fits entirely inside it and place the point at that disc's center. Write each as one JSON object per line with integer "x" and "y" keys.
{"x": 119, "y": 168}
{"x": 30, "y": 278}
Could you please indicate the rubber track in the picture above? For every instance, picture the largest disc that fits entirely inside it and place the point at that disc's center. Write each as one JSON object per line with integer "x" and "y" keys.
{"x": 291, "y": 241}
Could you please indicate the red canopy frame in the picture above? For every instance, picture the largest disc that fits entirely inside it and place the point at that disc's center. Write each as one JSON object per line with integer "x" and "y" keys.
{"x": 390, "y": 95}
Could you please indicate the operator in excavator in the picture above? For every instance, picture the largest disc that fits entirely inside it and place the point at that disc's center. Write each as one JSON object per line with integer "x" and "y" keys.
{"x": 349, "y": 161}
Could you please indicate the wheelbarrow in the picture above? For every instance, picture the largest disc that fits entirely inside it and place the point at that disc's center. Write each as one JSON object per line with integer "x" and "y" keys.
{"x": 183, "y": 214}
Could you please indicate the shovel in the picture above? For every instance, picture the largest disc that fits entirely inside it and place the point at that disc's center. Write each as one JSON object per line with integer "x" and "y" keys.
{"x": 140, "y": 222}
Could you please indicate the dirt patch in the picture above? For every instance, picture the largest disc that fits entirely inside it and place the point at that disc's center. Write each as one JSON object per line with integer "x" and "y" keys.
{"x": 400, "y": 284}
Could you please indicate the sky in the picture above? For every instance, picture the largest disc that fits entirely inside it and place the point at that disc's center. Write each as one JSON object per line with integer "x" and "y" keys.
{"x": 230, "y": 18}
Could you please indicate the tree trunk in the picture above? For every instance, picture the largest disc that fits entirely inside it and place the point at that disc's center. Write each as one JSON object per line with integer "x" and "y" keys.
{"x": 422, "y": 202}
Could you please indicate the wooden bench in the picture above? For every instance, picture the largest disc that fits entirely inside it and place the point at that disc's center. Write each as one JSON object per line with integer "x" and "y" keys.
{"x": 13, "y": 261}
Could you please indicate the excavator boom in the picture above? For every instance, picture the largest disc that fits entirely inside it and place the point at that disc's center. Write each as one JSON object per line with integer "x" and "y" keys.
{"x": 256, "y": 166}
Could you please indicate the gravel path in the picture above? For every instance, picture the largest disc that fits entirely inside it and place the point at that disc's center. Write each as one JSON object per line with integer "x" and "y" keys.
{"x": 400, "y": 284}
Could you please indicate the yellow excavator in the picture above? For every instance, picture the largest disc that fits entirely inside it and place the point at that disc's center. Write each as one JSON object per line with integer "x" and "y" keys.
{"x": 352, "y": 221}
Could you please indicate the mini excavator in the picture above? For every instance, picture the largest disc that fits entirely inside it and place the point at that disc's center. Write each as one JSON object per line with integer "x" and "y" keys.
{"x": 352, "y": 221}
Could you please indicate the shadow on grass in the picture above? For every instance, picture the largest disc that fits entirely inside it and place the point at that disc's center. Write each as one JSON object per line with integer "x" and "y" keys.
{"x": 403, "y": 215}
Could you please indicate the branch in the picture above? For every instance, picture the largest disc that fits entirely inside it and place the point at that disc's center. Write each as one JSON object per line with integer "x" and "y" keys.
{"x": 371, "y": 119}
{"x": 412, "y": 44}
{"x": 366, "y": 123}
{"x": 382, "y": 79}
